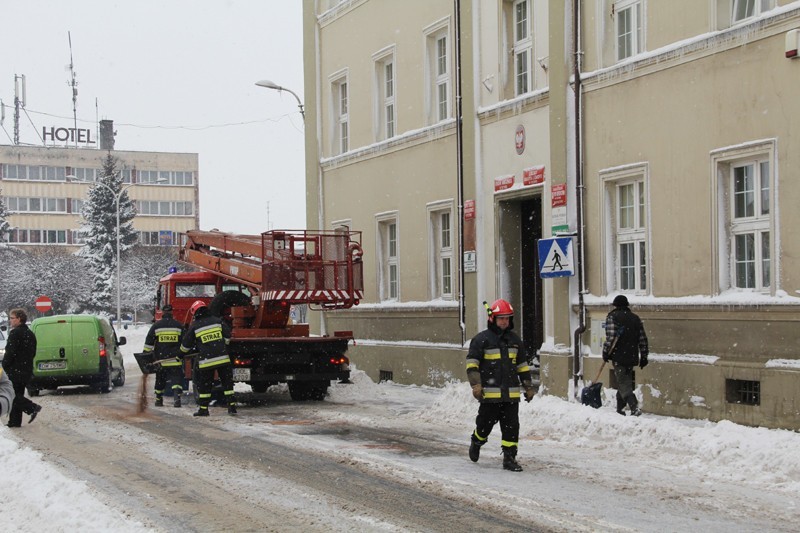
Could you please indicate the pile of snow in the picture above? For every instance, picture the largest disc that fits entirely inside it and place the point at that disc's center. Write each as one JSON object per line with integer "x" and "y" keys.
{"x": 754, "y": 457}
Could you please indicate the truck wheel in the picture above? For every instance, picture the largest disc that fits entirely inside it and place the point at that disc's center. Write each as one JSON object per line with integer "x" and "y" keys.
{"x": 308, "y": 390}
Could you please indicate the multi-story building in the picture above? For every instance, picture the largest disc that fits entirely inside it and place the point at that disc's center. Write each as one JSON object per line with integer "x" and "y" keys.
{"x": 44, "y": 189}
{"x": 665, "y": 152}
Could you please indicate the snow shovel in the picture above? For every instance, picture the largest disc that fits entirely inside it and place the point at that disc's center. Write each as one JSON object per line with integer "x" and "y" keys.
{"x": 146, "y": 362}
{"x": 591, "y": 395}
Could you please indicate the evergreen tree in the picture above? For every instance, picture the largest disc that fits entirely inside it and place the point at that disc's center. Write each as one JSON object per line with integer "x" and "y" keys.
{"x": 5, "y": 227}
{"x": 100, "y": 227}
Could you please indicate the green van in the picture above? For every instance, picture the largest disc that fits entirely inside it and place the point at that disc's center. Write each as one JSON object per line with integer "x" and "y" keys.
{"x": 76, "y": 350}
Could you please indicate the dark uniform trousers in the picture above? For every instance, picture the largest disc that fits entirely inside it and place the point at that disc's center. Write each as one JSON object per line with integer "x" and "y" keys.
{"x": 489, "y": 414}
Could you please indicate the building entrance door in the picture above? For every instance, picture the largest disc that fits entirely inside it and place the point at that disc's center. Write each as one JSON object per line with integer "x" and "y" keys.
{"x": 532, "y": 327}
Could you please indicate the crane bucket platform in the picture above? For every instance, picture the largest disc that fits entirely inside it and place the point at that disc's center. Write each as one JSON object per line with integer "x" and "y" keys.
{"x": 319, "y": 268}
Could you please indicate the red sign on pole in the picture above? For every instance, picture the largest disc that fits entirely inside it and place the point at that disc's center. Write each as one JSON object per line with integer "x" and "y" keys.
{"x": 469, "y": 209}
{"x": 43, "y": 304}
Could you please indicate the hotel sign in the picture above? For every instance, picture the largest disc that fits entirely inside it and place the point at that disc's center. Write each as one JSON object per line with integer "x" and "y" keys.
{"x": 67, "y": 135}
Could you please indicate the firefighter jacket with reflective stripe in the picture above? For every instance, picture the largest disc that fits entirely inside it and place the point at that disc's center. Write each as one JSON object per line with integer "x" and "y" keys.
{"x": 208, "y": 336}
{"x": 164, "y": 340}
{"x": 497, "y": 361}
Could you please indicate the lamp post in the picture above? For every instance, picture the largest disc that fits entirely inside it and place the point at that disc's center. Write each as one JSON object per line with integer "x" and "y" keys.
{"x": 274, "y": 86}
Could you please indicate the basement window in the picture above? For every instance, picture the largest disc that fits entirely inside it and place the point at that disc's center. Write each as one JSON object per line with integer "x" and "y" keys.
{"x": 743, "y": 392}
{"x": 385, "y": 375}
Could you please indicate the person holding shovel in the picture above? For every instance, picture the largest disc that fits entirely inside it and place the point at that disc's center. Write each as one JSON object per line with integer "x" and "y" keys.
{"x": 164, "y": 340}
{"x": 496, "y": 367}
{"x": 625, "y": 333}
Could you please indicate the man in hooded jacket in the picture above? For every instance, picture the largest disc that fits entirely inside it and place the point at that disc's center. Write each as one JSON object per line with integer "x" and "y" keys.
{"x": 625, "y": 332}
{"x": 496, "y": 367}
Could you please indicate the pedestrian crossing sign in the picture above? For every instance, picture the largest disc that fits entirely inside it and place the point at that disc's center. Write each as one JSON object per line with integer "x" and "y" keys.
{"x": 555, "y": 257}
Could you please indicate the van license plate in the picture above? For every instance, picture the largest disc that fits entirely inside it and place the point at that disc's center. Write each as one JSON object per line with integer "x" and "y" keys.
{"x": 241, "y": 374}
{"x": 53, "y": 365}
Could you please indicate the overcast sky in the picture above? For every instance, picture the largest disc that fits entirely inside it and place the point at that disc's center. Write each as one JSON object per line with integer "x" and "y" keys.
{"x": 174, "y": 76}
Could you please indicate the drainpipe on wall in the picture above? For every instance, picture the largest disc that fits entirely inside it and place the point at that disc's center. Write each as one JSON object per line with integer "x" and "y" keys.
{"x": 460, "y": 174}
{"x": 323, "y": 324}
{"x": 579, "y": 190}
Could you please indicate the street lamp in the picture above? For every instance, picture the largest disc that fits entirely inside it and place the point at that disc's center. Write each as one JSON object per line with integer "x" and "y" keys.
{"x": 117, "y": 197}
{"x": 274, "y": 86}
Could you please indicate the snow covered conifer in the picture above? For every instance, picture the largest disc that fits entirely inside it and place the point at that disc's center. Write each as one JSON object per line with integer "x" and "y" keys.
{"x": 100, "y": 227}
{"x": 5, "y": 227}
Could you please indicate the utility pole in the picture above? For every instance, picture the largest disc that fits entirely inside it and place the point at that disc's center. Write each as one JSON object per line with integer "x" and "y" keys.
{"x": 74, "y": 84}
{"x": 19, "y": 83}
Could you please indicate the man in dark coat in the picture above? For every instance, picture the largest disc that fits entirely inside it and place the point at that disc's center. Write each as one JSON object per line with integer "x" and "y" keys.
{"x": 164, "y": 340}
{"x": 18, "y": 364}
{"x": 496, "y": 367}
{"x": 630, "y": 350}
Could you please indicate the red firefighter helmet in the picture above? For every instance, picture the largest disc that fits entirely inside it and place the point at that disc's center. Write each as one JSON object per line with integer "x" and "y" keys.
{"x": 501, "y": 308}
{"x": 198, "y": 305}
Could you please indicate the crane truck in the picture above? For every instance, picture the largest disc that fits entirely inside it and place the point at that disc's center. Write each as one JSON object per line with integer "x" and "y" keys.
{"x": 252, "y": 281}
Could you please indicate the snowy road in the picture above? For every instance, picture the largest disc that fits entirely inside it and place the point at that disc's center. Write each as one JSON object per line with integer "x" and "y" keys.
{"x": 393, "y": 458}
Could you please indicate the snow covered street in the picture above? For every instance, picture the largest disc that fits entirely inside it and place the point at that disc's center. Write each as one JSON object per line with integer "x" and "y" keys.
{"x": 386, "y": 457}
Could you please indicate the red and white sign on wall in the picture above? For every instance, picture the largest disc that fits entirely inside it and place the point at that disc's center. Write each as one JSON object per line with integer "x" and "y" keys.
{"x": 43, "y": 304}
{"x": 533, "y": 175}
{"x": 558, "y": 193}
{"x": 469, "y": 209}
{"x": 503, "y": 182}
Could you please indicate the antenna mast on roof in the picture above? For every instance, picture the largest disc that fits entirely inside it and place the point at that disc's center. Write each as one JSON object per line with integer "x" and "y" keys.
{"x": 74, "y": 84}
{"x": 19, "y": 101}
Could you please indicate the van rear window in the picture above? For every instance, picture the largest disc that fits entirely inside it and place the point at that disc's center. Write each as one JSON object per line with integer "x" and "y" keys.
{"x": 83, "y": 332}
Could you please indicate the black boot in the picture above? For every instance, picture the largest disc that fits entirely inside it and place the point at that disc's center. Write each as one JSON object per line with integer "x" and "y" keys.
{"x": 159, "y": 401}
{"x": 475, "y": 449}
{"x": 177, "y": 401}
{"x": 510, "y": 461}
{"x": 620, "y": 406}
{"x": 202, "y": 411}
{"x": 232, "y": 408}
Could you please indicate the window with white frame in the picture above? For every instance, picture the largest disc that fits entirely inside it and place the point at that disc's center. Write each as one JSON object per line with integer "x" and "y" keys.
{"x": 385, "y": 73}
{"x": 36, "y": 205}
{"x": 389, "y": 266}
{"x": 523, "y": 47}
{"x": 340, "y": 105}
{"x": 745, "y": 207}
{"x": 626, "y": 230}
{"x": 744, "y": 9}
{"x": 441, "y": 263}
{"x": 629, "y": 27}
{"x": 438, "y": 52}
{"x": 750, "y": 224}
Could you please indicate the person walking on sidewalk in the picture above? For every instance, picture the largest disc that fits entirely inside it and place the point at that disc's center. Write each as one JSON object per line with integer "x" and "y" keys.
{"x": 496, "y": 367}
{"x": 209, "y": 335}
{"x": 18, "y": 364}
{"x": 625, "y": 332}
{"x": 164, "y": 340}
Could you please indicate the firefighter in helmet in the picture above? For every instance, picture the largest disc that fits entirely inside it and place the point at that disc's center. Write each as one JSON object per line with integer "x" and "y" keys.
{"x": 497, "y": 369}
{"x": 208, "y": 335}
{"x": 164, "y": 340}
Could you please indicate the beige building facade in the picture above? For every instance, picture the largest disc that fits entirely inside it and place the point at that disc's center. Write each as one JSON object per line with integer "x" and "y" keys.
{"x": 668, "y": 160}
{"x": 44, "y": 188}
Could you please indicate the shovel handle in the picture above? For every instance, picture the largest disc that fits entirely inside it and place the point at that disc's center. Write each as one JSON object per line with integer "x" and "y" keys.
{"x": 599, "y": 372}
